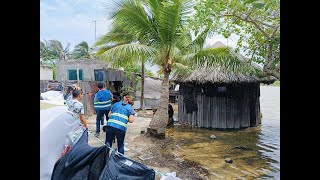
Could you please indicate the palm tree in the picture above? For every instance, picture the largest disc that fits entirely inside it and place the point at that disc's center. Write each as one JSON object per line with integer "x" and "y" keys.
{"x": 57, "y": 49}
{"x": 81, "y": 50}
{"x": 117, "y": 37}
{"x": 47, "y": 54}
{"x": 157, "y": 31}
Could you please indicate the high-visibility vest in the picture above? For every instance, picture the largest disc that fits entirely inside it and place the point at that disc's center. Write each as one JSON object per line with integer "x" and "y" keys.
{"x": 119, "y": 116}
{"x": 102, "y": 100}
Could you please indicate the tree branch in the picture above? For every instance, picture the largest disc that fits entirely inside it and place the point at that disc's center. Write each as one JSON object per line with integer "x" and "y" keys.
{"x": 273, "y": 73}
{"x": 247, "y": 19}
{"x": 263, "y": 23}
{"x": 274, "y": 32}
{"x": 268, "y": 57}
{"x": 278, "y": 67}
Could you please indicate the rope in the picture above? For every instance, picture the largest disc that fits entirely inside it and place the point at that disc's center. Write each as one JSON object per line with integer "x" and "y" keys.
{"x": 157, "y": 172}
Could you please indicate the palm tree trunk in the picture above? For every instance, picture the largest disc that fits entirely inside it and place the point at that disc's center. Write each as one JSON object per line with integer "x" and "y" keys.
{"x": 159, "y": 121}
{"x": 142, "y": 86}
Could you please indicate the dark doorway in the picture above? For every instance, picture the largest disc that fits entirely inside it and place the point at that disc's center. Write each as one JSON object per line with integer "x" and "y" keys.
{"x": 115, "y": 86}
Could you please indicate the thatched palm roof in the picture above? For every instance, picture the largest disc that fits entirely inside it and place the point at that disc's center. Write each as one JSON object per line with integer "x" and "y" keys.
{"x": 218, "y": 74}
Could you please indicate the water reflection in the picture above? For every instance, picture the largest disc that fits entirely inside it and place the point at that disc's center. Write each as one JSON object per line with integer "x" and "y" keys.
{"x": 255, "y": 151}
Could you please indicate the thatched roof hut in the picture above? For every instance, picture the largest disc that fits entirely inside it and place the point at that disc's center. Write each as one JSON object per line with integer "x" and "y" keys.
{"x": 217, "y": 75}
{"x": 221, "y": 97}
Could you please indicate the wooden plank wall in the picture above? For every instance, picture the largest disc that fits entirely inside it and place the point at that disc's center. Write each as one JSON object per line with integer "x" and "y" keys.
{"x": 222, "y": 112}
{"x": 89, "y": 89}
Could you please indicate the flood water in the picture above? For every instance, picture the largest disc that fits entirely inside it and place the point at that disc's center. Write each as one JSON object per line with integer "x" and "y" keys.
{"x": 255, "y": 151}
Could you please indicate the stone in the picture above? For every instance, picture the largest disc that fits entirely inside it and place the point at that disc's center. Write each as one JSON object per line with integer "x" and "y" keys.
{"x": 174, "y": 155}
{"x": 179, "y": 160}
{"x": 213, "y": 137}
{"x": 178, "y": 146}
{"x": 158, "y": 134}
{"x": 242, "y": 147}
{"x": 228, "y": 160}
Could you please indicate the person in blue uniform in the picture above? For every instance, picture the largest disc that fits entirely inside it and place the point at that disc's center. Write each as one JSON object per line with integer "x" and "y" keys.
{"x": 120, "y": 114}
{"x": 102, "y": 105}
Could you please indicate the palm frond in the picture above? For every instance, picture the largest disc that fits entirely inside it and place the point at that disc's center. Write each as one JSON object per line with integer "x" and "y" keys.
{"x": 131, "y": 16}
{"x": 81, "y": 50}
{"x": 123, "y": 52}
{"x": 172, "y": 17}
{"x": 115, "y": 35}
{"x": 180, "y": 69}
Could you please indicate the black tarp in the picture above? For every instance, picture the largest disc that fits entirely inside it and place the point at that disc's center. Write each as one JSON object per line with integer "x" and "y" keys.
{"x": 93, "y": 163}
{"x": 81, "y": 162}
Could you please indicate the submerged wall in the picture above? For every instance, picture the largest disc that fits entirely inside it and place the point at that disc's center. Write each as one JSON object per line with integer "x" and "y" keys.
{"x": 232, "y": 107}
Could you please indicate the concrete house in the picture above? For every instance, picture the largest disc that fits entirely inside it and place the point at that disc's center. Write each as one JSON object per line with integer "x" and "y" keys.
{"x": 89, "y": 70}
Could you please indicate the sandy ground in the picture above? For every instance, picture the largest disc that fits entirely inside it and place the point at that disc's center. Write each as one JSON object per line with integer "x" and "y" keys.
{"x": 137, "y": 146}
{"x": 163, "y": 158}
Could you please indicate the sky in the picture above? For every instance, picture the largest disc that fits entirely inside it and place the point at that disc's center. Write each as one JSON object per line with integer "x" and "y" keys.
{"x": 71, "y": 21}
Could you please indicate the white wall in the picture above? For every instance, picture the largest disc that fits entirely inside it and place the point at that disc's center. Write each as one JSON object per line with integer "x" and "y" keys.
{"x": 46, "y": 73}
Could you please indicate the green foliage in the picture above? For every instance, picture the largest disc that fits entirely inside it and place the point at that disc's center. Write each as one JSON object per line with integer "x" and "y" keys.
{"x": 149, "y": 73}
{"x": 145, "y": 30}
{"x": 256, "y": 22}
{"x": 52, "y": 50}
{"x": 81, "y": 51}
{"x": 276, "y": 83}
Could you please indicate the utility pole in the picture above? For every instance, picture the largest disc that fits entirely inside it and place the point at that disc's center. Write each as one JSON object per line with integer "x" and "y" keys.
{"x": 95, "y": 29}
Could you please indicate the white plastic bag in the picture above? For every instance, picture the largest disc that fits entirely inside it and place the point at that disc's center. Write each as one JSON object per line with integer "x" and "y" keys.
{"x": 52, "y": 95}
{"x": 170, "y": 176}
{"x": 55, "y": 123}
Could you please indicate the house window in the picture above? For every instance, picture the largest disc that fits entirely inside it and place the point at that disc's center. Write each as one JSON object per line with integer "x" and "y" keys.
{"x": 72, "y": 74}
{"x": 98, "y": 74}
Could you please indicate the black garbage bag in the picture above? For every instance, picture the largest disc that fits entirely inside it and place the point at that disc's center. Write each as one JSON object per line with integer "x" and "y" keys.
{"x": 120, "y": 167}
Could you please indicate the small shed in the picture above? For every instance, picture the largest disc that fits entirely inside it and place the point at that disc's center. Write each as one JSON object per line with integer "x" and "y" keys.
{"x": 152, "y": 92}
{"x": 220, "y": 99}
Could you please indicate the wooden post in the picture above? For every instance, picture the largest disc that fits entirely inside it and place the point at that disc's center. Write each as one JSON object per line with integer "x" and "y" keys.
{"x": 78, "y": 75}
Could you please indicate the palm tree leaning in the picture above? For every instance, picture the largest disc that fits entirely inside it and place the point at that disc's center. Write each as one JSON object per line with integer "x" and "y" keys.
{"x": 158, "y": 32}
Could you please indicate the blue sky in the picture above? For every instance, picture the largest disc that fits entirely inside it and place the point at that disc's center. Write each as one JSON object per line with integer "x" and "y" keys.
{"x": 70, "y": 21}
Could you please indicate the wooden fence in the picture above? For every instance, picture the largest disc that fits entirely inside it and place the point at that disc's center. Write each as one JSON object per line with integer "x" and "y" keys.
{"x": 89, "y": 89}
